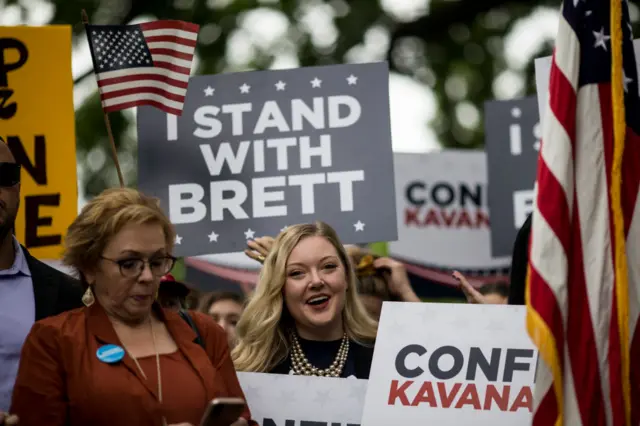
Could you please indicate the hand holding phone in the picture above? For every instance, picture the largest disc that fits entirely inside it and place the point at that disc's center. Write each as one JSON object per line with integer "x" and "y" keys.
{"x": 223, "y": 412}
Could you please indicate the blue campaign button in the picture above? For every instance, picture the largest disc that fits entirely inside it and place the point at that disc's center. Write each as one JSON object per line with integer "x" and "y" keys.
{"x": 110, "y": 353}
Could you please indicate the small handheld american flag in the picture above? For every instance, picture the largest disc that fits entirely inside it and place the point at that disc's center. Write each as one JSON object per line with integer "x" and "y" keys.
{"x": 144, "y": 64}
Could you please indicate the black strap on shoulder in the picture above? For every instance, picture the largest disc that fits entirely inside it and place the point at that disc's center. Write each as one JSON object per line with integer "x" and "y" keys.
{"x": 187, "y": 317}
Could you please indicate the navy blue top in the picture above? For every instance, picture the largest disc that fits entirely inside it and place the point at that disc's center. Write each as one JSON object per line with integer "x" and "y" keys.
{"x": 321, "y": 354}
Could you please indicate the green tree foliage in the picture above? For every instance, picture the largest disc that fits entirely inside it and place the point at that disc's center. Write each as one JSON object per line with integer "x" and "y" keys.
{"x": 455, "y": 47}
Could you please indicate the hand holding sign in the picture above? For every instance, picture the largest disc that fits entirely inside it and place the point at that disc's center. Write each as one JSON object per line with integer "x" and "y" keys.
{"x": 472, "y": 295}
{"x": 398, "y": 282}
{"x": 259, "y": 248}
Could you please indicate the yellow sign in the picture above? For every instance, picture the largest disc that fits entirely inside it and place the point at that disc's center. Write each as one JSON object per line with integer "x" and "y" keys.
{"x": 37, "y": 122}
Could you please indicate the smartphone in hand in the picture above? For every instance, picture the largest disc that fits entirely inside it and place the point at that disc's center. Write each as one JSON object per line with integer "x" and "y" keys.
{"x": 223, "y": 412}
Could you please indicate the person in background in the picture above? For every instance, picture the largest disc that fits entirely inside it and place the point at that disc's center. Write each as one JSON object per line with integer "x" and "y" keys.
{"x": 29, "y": 289}
{"x": 225, "y": 308}
{"x": 519, "y": 264}
{"x": 172, "y": 294}
{"x": 380, "y": 279}
{"x": 305, "y": 316}
{"x": 495, "y": 293}
{"x": 122, "y": 359}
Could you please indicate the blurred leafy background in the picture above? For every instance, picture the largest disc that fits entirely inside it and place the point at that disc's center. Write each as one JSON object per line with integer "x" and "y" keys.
{"x": 454, "y": 47}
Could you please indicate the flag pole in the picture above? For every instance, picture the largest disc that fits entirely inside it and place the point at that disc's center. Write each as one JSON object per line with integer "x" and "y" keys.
{"x": 107, "y": 122}
{"x": 620, "y": 252}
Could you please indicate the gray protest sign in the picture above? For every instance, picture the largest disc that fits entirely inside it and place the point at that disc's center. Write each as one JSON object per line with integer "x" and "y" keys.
{"x": 255, "y": 152}
{"x": 512, "y": 141}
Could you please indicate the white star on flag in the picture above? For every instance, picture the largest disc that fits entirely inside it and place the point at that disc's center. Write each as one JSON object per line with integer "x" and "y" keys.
{"x": 245, "y": 88}
{"x": 213, "y": 237}
{"x": 249, "y": 234}
{"x": 359, "y": 226}
{"x": 316, "y": 82}
{"x": 283, "y": 229}
{"x": 626, "y": 81}
{"x": 601, "y": 39}
{"x": 352, "y": 80}
{"x": 280, "y": 85}
{"x": 209, "y": 91}
{"x": 178, "y": 240}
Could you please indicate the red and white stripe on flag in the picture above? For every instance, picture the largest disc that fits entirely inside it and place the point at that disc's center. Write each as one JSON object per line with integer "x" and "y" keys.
{"x": 582, "y": 302}
{"x": 144, "y": 64}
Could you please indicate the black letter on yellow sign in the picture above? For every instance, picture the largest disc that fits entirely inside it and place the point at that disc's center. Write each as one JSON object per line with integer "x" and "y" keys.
{"x": 8, "y": 110}
{"x": 33, "y": 220}
{"x": 38, "y": 171}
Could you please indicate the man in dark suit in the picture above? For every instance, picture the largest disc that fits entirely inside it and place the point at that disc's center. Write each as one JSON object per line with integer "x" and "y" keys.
{"x": 29, "y": 289}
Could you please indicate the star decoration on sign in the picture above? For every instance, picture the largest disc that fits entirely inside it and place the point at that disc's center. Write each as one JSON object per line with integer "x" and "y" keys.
{"x": 357, "y": 392}
{"x": 626, "y": 81}
{"x": 209, "y": 91}
{"x": 316, "y": 82}
{"x": 249, "y": 234}
{"x": 495, "y": 325}
{"x": 280, "y": 85}
{"x": 213, "y": 237}
{"x": 178, "y": 240}
{"x": 245, "y": 88}
{"x": 601, "y": 39}
{"x": 287, "y": 396}
{"x": 516, "y": 112}
{"x": 352, "y": 80}
{"x": 359, "y": 226}
{"x": 322, "y": 397}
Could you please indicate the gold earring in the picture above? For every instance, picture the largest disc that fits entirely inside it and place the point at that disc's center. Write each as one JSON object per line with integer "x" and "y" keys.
{"x": 87, "y": 297}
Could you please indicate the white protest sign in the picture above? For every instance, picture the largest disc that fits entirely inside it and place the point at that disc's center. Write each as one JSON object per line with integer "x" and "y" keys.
{"x": 443, "y": 214}
{"x": 451, "y": 364}
{"x": 287, "y": 400}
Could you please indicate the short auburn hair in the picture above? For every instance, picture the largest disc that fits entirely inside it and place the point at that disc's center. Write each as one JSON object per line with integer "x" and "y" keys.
{"x": 102, "y": 218}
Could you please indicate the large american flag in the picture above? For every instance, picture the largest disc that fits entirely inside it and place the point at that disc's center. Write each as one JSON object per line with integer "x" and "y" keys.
{"x": 580, "y": 313}
{"x": 145, "y": 64}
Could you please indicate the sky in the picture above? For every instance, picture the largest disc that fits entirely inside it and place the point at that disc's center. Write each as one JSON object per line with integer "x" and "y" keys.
{"x": 412, "y": 104}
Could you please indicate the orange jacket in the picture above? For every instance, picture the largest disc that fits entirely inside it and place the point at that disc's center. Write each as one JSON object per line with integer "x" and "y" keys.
{"x": 61, "y": 382}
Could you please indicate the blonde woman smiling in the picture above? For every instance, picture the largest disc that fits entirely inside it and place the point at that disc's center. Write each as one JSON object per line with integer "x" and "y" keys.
{"x": 306, "y": 317}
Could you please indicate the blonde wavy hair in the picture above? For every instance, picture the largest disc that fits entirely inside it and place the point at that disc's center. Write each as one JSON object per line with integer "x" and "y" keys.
{"x": 263, "y": 328}
{"x": 102, "y": 218}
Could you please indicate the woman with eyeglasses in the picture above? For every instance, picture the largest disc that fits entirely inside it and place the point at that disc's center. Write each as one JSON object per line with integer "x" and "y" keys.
{"x": 122, "y": 359}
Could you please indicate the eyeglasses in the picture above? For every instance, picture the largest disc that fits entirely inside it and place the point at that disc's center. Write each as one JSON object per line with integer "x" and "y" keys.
{"x": 9, "y": 174}
{"x": 133, "y": 267}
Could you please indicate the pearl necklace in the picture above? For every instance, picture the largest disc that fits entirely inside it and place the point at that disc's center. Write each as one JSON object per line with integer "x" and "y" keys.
{"x": 302, "y": 367}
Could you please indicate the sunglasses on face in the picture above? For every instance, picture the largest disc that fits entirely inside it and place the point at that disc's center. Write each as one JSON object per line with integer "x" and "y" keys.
{"x": 9, "y": 174}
